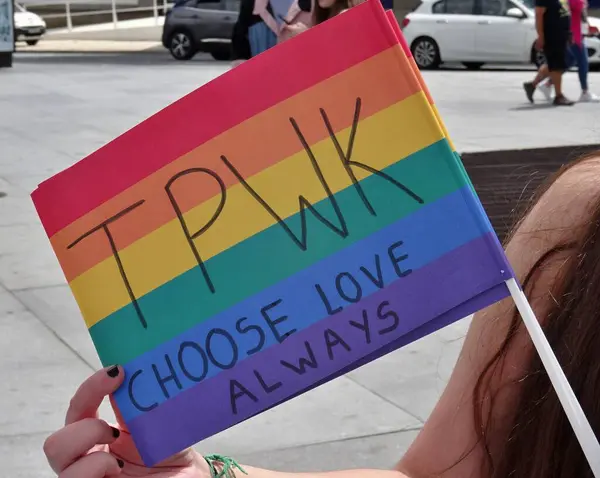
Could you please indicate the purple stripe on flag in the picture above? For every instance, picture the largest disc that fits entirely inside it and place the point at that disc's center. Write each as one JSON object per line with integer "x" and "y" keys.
{"x": 330, "y": 345}
{"x": 489, "y": 297}
{"x": 465, "y": 309}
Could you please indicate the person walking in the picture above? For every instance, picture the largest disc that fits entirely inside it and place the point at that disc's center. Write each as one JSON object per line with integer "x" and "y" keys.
{"x": 578, "y": 52}
{"x": 553, "y": 25}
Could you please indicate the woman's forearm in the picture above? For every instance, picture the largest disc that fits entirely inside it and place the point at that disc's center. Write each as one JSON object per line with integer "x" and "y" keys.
{"x": 258, "y": 473}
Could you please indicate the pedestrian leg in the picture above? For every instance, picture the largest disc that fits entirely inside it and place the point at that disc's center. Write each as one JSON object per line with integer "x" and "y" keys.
{"x": 580, "y": 52}
{"x": 530, "y": 86}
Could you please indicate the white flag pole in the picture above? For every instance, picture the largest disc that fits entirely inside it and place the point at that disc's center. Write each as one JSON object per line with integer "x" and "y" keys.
{"x": 581, "y": 426}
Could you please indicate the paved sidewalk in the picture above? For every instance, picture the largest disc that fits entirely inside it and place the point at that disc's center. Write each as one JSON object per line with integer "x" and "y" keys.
{"x": 59, "y": 111}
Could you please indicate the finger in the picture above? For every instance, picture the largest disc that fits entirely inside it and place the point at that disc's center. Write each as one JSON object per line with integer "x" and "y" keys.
{"x": 63, "y": 447}
{"x": 90, "y": 393}
{"x": 95, "y": 465}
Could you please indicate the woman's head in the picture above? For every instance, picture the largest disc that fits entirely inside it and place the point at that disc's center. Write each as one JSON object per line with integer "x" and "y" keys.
{"x": 541, "y": 443}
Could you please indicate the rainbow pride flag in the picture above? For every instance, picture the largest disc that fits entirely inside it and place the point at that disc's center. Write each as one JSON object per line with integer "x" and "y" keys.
{"x": 235, "y": 250}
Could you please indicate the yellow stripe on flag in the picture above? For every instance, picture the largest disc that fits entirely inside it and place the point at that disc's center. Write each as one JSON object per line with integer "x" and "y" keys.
{"x": 381, "y": 140}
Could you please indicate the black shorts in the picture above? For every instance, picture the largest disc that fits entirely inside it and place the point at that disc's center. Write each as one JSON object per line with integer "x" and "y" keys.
{"x": 557, "y": 56}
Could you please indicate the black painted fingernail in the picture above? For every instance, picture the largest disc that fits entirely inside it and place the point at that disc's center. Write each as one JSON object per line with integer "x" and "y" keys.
{"x": 113, "y": 372}
{"x": 116, "y": 432}
{"x": 120, "y": 462}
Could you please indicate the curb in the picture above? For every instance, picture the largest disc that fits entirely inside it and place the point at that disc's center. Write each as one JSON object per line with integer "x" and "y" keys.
{"x": 92, "y": 52}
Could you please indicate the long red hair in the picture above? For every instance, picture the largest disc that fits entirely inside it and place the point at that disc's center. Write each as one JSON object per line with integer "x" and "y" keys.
{"x": 541, "y": 443}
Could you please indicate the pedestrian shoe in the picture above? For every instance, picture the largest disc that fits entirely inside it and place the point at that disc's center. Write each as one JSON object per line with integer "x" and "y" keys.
{"x": 546, "y": 89}
{"x": 562, "y": 100}
{"x": 587, "y": 97}
{"x": 529, "y": 90}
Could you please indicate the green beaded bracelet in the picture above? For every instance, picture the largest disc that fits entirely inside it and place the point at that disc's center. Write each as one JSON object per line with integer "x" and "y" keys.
{"x": 228, "y": 466}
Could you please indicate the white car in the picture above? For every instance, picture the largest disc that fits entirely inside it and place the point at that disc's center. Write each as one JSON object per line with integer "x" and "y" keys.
{"x": 29, "y": 27}
{"x": 474, "y": 32}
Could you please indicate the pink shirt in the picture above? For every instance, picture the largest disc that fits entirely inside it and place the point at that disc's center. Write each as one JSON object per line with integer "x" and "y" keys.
{"x": 576, "y": 7}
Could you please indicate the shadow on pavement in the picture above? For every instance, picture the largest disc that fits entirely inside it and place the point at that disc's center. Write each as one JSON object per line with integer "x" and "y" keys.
{"x": 138, "y": 58}
{"x": 532, "y": 107}
{"x": 492, "y": 67}
{"x": 489, "y": 68}
{"x": 506, "y": 180}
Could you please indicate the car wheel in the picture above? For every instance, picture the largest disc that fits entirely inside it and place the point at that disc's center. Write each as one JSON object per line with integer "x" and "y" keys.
{"x": 32, "y": 42}
{"x": 426, "y": 53}
{"x": 472, "y": 65}
{"x": 182, "y": 46}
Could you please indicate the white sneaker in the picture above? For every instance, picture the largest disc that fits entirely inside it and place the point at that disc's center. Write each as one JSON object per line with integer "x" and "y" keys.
{"x": 587, "y": 97}
{"x": 546, "y": 90}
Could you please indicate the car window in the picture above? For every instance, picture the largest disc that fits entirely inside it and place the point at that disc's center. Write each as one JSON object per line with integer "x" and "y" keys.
{"x": 456, "y": 7}
{"x": 494, "y": 7}
{"x": 459, "y": 6}
{"x": 210, "y": 4}
{"x": 439, "y": 7}
{"x": 231, "y": 5}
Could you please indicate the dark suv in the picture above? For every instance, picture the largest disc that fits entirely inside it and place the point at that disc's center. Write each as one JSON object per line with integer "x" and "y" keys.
{"x": 200, "y": 25}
